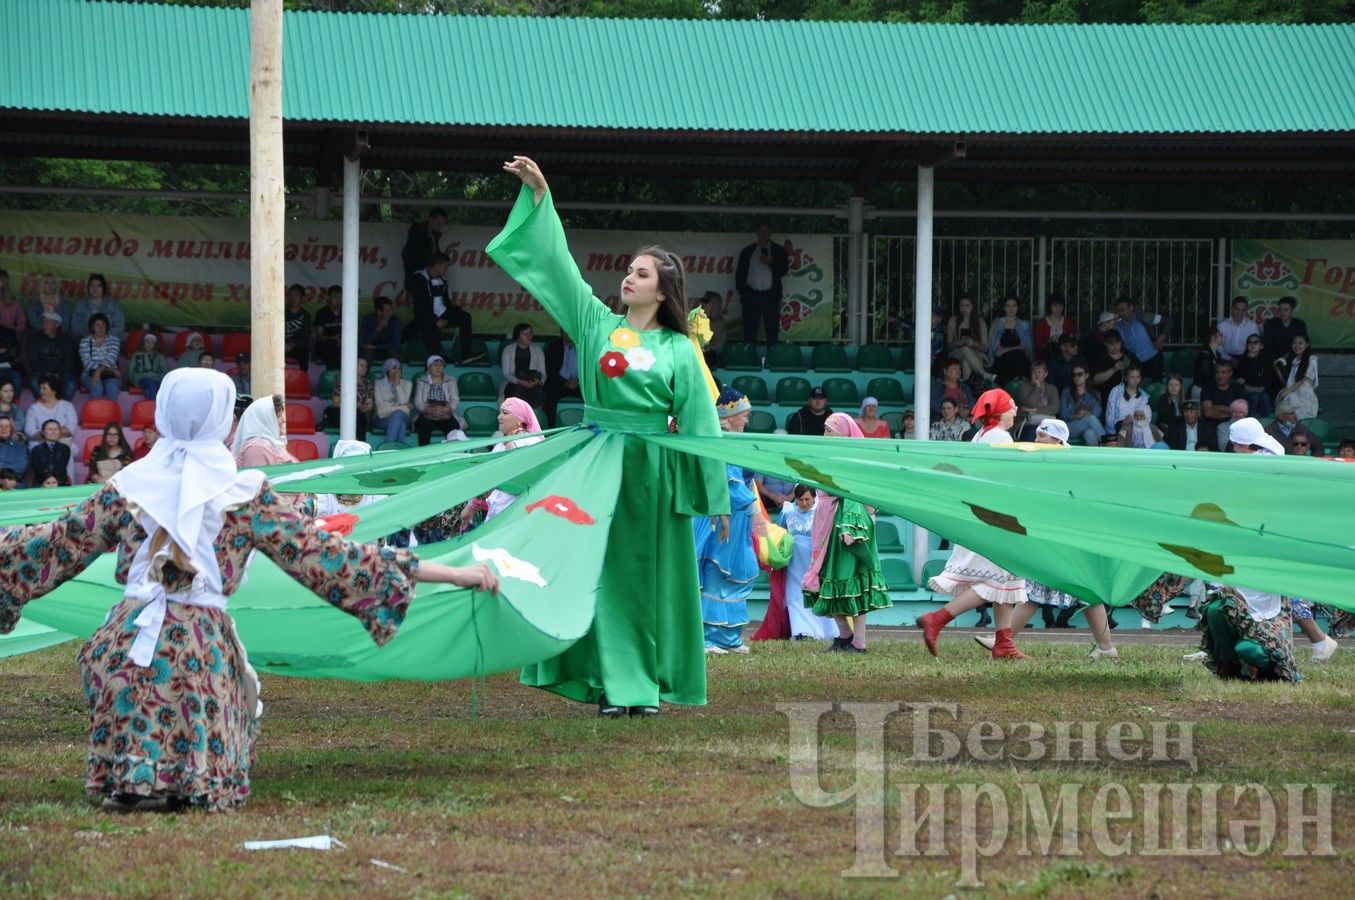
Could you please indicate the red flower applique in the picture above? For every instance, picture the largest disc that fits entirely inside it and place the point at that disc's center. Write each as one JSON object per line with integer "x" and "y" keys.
{"x": 565, "y": 508}
{"x": 613, "y": 364}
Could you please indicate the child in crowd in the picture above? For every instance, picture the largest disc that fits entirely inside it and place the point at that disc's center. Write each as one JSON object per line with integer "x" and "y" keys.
{"x": 797, "y": 517}
{"x": 9, "y": 480}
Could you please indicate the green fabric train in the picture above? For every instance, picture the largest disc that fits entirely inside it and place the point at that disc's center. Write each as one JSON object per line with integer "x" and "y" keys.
{"x": 1100, "y": 524}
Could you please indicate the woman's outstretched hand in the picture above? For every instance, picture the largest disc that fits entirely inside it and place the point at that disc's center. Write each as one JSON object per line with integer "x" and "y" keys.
{"x": 530, "y": 173}
{"x": 479, "y": 577}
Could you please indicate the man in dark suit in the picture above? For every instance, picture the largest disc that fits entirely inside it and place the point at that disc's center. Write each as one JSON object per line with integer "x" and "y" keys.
{"x": 1277, "y": 334}
{"x": 762, "y": 265}
{"x": 562, "y": 374}
{"x": 424, "y": 239}
{"x": 434, "y": 311}
{"x": 1190, "y": 433}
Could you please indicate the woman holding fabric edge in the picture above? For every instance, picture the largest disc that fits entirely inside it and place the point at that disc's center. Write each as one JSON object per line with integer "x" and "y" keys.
{"x": 635, "y": 370}
{"x": 173, "y": 701}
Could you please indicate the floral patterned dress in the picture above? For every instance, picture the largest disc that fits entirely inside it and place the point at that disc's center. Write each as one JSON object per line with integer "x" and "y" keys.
{"x": 183, "y": 726}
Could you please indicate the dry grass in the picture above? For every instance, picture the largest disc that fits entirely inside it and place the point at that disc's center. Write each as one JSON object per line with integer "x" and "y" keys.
{"x": 538, "y": 796}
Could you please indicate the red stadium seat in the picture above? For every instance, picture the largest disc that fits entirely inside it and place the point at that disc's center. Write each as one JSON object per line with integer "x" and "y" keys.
{"x": 143, "y": 413}
{"x": 133, "y": 342}
{"x": 300, "y": 419}
{"x": 181, "y": 342}
{"x": 98, "y": 412}
{"x": 233, "y": 344}
{"x": 304, "y": 451}
{"x": 90, "y": 443}
{"x": 297, "y": 384}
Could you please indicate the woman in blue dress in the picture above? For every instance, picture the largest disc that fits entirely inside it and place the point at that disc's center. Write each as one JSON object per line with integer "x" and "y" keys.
{"x": 797, "y": 517}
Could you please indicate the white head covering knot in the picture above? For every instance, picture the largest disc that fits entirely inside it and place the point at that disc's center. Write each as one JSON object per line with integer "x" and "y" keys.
{"x": 1249, "y": 431}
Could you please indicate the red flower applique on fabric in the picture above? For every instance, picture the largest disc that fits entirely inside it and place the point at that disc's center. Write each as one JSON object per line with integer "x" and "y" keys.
{"x": 613, "y": 364}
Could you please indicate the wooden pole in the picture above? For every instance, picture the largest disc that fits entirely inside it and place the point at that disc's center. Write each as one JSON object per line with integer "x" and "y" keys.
{"x": 267, "y": 198}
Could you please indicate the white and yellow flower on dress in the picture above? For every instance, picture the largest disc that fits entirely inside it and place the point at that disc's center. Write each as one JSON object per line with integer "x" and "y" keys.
{"x": 509, "y": 566}
{"x": 625, "y": 338}
{"x": 640, "y": 358}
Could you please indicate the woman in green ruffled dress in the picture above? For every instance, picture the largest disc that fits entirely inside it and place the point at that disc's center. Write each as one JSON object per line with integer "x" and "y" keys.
{"x": 844, "y": 577}
{"x": 635, "y": 371}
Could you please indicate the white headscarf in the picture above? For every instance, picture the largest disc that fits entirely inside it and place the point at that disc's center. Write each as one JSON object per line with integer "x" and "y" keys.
{"x": 328, "y": 504}
{"x": 1249, "y": 431}
{"x": 189, "y": 478}
{"x": 258, "y": 422}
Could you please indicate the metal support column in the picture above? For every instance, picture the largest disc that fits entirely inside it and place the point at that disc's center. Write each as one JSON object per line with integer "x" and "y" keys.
{"x": 856, "y": 286}
{"x": 348, "y": 352}
{"x": 922, "y": 330}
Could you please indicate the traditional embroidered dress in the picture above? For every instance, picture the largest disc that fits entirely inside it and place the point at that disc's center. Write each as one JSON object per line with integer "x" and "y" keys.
{"x": 646, "y": 642}
{"x": 1248, "y": 635}
{"x": 172, "y": 699}
{"x": 729, "y": 567}
{"x": 803, "y": 622}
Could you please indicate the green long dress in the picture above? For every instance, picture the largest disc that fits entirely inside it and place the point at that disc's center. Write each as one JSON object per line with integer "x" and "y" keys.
{"x": 646, "y": 642}
{"x": 850, "y": 580}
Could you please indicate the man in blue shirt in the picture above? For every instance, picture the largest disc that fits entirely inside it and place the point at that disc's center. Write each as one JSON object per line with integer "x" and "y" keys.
{"x": 1141, "y": 345}
{"x": 13, "y": 453}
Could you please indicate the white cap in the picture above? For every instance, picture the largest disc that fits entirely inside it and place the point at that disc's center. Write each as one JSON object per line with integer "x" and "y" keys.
{"x": 1249, "y": 432}
{"x": 1055, "y": 428}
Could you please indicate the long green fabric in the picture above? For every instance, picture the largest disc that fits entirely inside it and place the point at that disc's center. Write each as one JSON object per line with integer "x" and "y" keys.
{"x": 1097, "y": 523}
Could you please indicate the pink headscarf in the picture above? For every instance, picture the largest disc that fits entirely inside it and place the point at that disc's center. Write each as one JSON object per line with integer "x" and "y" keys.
{"x": 523, "y": 410}
{"x": 842, "y": 425}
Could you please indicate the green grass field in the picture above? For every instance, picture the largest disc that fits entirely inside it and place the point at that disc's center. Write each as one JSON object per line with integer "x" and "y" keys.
{"x": 539, "y": 797}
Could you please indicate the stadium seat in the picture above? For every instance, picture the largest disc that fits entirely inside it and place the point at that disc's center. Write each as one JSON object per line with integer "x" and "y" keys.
{"x": 233, "y": 344}
{"x": 760, "y": 422}
{"x": 297, "y": 384}
{"x": 1154, "y": 390}
{"x": 481, "y": 421}
{"x": 931, "y": 568}
{"x": 452, "y": 351}
{"x": 908, "y": 381}
{"x": 414, "y": 351}
{"x": 300, "y": 419}
{"x": 476, "y": 386}
{"x": 785, "y": 358}
{"x": 887, "y": 390}
{"x": 99, "y": 411}
{"x": 793, "y": 391}
{"x": 329, "y": 380}
{"x": 143, "y": 413}
{"x": 568, "y": 415}
{"x": 829, "y": 358}
{"x": 887, "y": 538}
{"x": 393, "y": 445}
{"x": 841, "y": 391}
{"x": 898, "y": 574}
{"x": 90, "y": 443}
{"x": 894, "y": 419}
{"x": 754, "y": 388}
{"x": 304, "y": 451}
{"x": 874, "y": 358}
{"x": 1320, "y": 427}
{"x": 742, "y": 357}
{"x": 133, "y": 342}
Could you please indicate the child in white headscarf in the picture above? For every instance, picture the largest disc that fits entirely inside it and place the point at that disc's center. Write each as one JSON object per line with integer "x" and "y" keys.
{"x": 173, "y": 701}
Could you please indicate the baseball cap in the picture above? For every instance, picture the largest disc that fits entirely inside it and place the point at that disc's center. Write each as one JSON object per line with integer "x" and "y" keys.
{"x": 817, "y": 392}
{"x": 1055, "y": 428}
{"x": 1105, "y": 317}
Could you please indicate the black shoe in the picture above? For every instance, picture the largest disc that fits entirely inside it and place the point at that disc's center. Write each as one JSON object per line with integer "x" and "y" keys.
{"x": 852, "y": 648}
{"x": 1065, "y": 617}
{"x": 1192, "y": 613}
{"x": 610, "y": 710}
{"x": 984, "y": 619}
{"x": 643, "y": 712}
{"x": 839, "y": 644}
{"x": 1047, "y": 616}
{"x": 1110, "y": 619}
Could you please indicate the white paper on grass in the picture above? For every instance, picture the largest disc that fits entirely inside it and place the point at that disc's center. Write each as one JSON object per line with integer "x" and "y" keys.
{"x": 315, "y": 842}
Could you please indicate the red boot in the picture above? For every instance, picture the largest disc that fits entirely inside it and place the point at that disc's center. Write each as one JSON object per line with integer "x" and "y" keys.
{"x": 931, "y": 625}
{"x": 1005, "y": 648}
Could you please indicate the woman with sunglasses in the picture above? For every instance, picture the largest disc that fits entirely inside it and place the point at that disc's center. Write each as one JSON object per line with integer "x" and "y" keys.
{"x": 1080, "y": 408}
{"x": 1257, "y": 372}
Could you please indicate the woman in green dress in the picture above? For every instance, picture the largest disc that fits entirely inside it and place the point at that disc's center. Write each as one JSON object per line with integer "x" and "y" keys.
{"x": 844, "y": 577}
{"x": 635, "y": 371}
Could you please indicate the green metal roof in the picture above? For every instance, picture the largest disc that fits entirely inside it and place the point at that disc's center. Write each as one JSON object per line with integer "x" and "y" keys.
{"x": 155, "y": 60}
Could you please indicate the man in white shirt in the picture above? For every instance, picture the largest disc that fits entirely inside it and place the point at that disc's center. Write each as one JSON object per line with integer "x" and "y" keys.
{"x": 1237, "y": 328}
{"x": 762, "y": 265}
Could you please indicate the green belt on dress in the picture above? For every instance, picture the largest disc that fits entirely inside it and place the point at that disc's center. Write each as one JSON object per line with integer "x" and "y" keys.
{"x": 626, "y": 422}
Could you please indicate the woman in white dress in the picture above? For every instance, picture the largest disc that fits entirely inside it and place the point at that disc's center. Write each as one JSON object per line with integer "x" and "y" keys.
{"x": 797, "y": 517}
{"x": 969, "y": 578}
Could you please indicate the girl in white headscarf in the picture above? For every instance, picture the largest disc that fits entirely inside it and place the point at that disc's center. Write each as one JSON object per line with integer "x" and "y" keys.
{"x": 172, "y": 699}
{"x": 258, "y": 437}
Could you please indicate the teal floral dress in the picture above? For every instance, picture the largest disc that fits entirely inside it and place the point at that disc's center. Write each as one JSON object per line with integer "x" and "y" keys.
{"x": 185, "y": 725}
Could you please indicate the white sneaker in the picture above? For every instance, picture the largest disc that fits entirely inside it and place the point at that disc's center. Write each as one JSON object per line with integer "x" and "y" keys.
{"x": 742, "y": 648}
{"x": 716, "y": 651}
{"x": 1325, "y": 650}
{"x": 1197, "y": 656}
{"x": 1098, "y": 653}
{"x": 986, "y": 641}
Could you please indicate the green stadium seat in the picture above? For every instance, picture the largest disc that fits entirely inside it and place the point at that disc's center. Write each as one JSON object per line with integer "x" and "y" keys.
{"x": 568, "y": 415}
{"x": 829, "y": 358}
{"x": 898, "y": 574}
{"x": 793, "y": 391}
{"x": 785, "y": 358}
{"x": 887, "y": 390}
{"x": 760, "y": 422}
{"x": 1155, "y": 390}
{"x": 931, "y": 568}
{"x": 895, "y": 421}
{"x": 414, "y": 351}
{"x": 1319, "y": 427}
{"x": 874, "y": 358}
{"x": 329, "y": 378}
{"x": 476, "y": 386}
{"x": 753, "y": 387}
{"x": 742, "y": 357}
{"x": 909, "y": 382}
{"x": 392, "y": 445}
{"x": 481, "y": 421}
{"x": 887, "y": 538}
{"x": 841, "y": 391}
